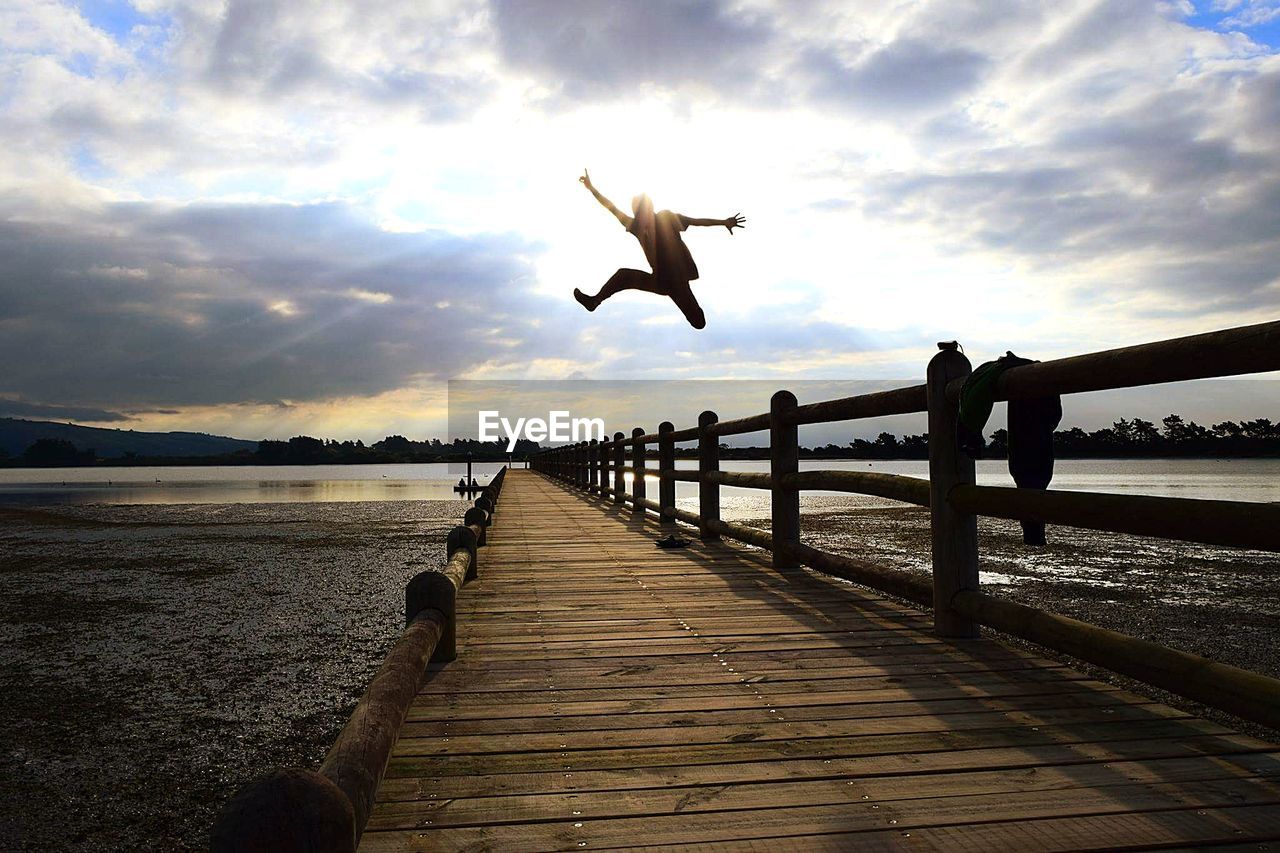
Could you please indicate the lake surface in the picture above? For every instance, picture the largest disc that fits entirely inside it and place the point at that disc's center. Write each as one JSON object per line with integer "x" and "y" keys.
{"x": 1218, "y": 479}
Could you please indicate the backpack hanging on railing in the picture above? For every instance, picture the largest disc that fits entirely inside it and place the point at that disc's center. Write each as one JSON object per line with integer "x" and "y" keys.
{"x": 1031, "y": 425}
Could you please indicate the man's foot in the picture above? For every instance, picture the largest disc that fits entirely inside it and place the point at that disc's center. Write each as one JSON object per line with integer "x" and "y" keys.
{"x": 586, "y": 301}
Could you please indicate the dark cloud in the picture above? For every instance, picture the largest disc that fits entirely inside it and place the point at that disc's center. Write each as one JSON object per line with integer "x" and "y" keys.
{"x": 373, "y": 54}
{"x": 902, "y": 77}
{"x": 593, "y": 49}
{"x": 586, "y": 50}
{"x": 144, "y": 306}
{"x": 19, "y": 409}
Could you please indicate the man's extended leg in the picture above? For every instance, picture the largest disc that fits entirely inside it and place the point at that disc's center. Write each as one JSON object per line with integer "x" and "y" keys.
{"x": 623, "y": 279}
{"x": 682, "y": 295}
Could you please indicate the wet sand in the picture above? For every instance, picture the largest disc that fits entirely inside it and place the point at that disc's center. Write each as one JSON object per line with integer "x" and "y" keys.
{"x": 158, "y": 657}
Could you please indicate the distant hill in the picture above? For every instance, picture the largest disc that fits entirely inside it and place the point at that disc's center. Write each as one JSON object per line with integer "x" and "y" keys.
{"x": 17, "y": 435}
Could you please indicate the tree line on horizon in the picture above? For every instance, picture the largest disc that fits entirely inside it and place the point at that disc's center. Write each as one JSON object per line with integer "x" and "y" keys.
{"x": 299, "y": 450}
{"x": 1176, "y": 436}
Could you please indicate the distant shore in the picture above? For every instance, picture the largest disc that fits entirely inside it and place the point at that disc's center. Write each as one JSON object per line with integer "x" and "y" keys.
{"x": 729, "y": 455}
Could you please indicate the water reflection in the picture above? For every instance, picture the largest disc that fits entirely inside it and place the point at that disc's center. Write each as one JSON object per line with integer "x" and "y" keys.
{"x": 228, "y": 484}
{"x": 1216, "y": 479}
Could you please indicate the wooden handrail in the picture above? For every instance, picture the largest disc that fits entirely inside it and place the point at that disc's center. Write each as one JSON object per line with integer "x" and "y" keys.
{"x": 742, "y": 533}
{"x": 1236, "y": 524}
{"x": 738, "y": 426}
{"x": 1230, "y": 352}
{"x": 954, "y": 501}
{"x": 1247, "y": 694}
{"x": 893, "y": 581}
{"x": 899, "y": 401}
{"x": 741, "y": 479}
{"x": 913, "y": 490}
{"x": 294, "y": 810}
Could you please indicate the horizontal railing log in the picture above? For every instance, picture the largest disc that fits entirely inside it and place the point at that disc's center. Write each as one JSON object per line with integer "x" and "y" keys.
{"x": 1232, "y": 352}
{"x": 899, "y": 583}
{"x": 897, "y": 487}
{"x": 1236, "y": 524}
{"x": 954, "y": 500}
{"x": 359, "y": 756}
{"x": 300, "y": 811}
{"x": 750, "y": 535}
{"x": 912, "y": 490}
{"x": 754, "y": 423}
{"x": 899, "y": 401}
{"x": 682, "y": 515}
{"x": 739, "y": 479}
{"x": 1246, "y": 694}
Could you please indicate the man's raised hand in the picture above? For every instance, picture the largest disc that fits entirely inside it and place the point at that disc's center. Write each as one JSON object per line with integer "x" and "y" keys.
{"x": 735, "y": 221}
{"x": 586, "y": 179}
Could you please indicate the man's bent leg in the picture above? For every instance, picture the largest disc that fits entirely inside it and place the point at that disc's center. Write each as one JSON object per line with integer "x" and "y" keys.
{"x": 682, "y": 296}
{"x": 629, "y": 279}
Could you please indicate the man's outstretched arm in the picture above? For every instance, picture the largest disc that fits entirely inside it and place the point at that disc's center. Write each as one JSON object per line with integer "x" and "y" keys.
{"x": 608, "y": 205}
{"x": 732, "y": 222}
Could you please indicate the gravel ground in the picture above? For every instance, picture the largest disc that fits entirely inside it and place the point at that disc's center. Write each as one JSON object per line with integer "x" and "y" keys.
{"x": 158, "y": 657}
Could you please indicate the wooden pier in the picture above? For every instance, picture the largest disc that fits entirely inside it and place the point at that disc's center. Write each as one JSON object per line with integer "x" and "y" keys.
{"x": 608, "y": 693}
{"x": 563, "y": 684}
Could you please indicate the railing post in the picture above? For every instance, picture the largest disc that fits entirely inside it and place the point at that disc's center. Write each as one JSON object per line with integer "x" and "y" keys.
{"x": 955, "y": 536}
{"x": 580, "y": 470}
{"x": 619, "y": 462}
{"x": 637, "y": 475}
{"x": 784, "y": 458}
{"x": 603, "y": 468}
{"x": 666, "y": 462}
{"x": 593, "y": 464}
{"x": 708, "y": 461}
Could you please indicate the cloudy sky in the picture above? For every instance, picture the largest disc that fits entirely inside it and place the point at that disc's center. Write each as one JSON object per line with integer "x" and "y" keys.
{"x": 264, "y": 218}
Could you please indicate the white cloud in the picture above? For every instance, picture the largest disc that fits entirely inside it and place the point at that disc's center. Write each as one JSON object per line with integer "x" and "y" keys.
{"x": 283, "y": 177}
{"x": 1252, "y": 13}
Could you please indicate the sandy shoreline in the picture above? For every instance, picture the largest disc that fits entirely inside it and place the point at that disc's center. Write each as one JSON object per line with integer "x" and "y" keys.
{"x": 160, "y": 656}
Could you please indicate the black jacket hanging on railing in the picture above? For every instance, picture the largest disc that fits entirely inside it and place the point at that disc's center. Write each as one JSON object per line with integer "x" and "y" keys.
{"x": 1031, "y": 425}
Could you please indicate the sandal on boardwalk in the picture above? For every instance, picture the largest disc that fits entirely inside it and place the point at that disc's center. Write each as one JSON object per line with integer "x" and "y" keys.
{"x": 672, "y": 541}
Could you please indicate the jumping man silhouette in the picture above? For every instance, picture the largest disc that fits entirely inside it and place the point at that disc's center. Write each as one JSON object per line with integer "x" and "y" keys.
{"x": 659, "y": 236}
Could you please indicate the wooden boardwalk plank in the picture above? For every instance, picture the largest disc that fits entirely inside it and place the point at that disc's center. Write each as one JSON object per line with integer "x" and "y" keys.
{"x": 609, "y": 694}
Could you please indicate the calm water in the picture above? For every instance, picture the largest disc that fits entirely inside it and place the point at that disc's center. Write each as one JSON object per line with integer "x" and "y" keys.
{"x": 237, "y": 484}
{"x": 1219, "y": 479}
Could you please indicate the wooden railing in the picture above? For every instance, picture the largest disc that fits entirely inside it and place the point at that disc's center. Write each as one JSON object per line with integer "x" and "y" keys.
{"x": 295, "y": 810}
{"x": 954, "y": 500}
